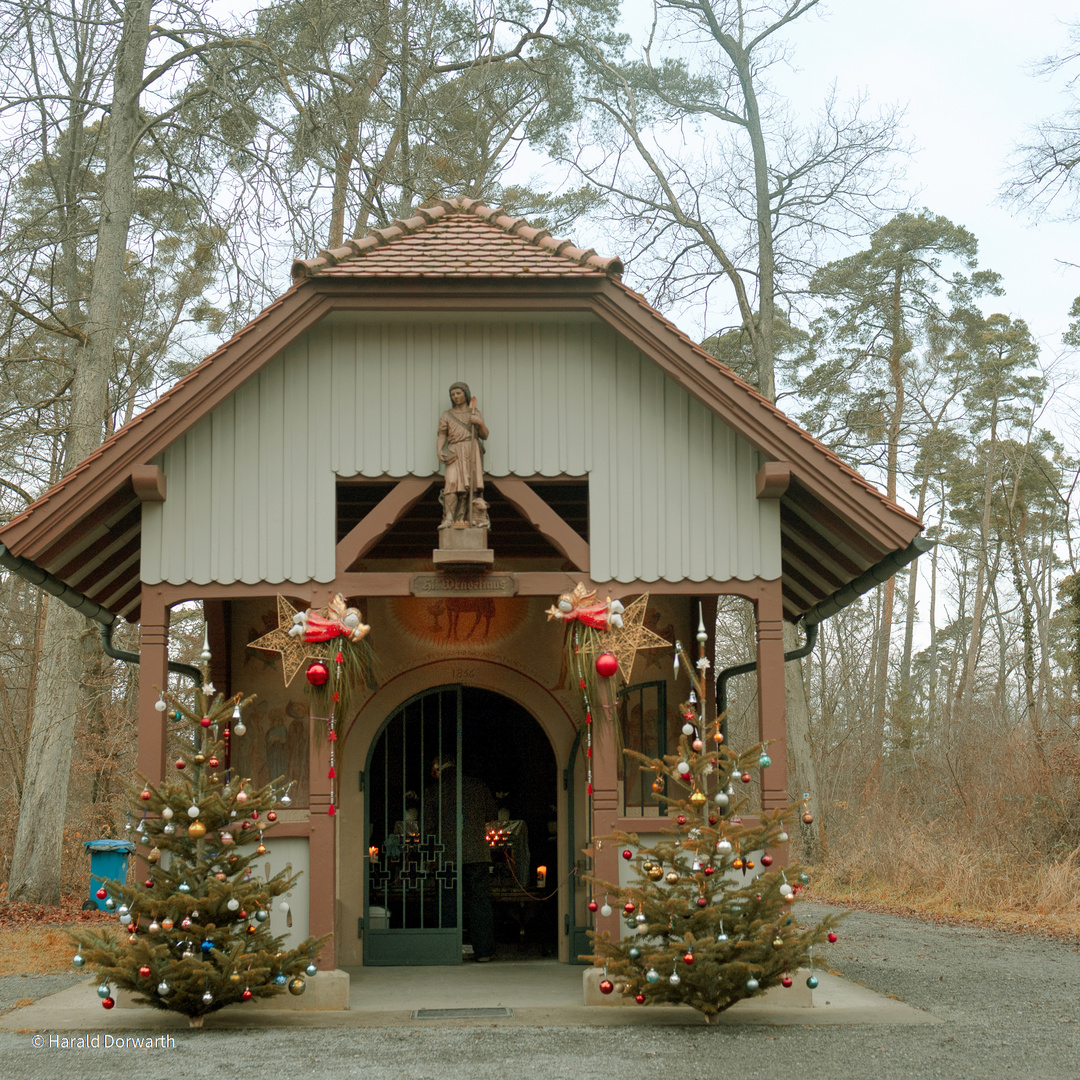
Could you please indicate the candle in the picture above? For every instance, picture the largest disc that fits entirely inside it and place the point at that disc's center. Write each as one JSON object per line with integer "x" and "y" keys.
{"x": 541, "y": 877}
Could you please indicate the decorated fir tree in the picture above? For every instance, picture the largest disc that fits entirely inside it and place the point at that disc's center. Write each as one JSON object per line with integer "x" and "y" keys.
{"x": 709, "y": 921}
{"x": 195, "y": 934}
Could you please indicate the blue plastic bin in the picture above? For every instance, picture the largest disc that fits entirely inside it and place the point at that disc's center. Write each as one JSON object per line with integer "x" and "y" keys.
{"x": 108, "y": 862}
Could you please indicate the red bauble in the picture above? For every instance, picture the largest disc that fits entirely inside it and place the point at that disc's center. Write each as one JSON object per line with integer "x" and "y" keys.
{"x": 786, "y": 981}
{"x": 606, "y": 665}
{"x": 144, "y": 971}
{"x": 145, "y": 796}
{"x": 255, "y": 815}
{"x": 606, "y": 986}
{"x": 702, "y": 902}
{"x": 628, "y": 907}
{"x": 766, "y": 859}
{"x": 639, "y": 998}
{"x": 246, "y": 995}
{"x": 593, "y": 905}
{"x": 272, "y": 816}
{"x": 318, "y": 673}
{"x": 149, "y": 883}
{"x": 681, "y": 819}
{"x": 107, "y": 1003}
{"x": 627, "y": 854}
{"x": 712, "y": 819}
{"x": 745, "y": 778}
{"x": 808, "y": 818}
{"x": 709, "y": 871}
{"x": 205, "y": 721}
{"x": 213, "y": 763}
{"x": 102, "y": 893}
{"x": 688, "y": 958}
{"x": 181, "y": 763}
{"x": 832, "y": 938}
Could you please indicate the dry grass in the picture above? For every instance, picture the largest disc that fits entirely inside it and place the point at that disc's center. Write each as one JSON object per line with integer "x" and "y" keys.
{"x": 36, "y": 950}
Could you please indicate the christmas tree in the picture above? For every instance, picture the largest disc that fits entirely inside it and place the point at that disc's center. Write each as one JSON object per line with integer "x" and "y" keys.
{"x": 705, "y": 926}
{"x": 195, "y": 935}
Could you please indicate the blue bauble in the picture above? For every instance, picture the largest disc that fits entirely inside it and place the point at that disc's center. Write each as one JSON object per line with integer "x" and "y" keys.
{"x": 103, "y": 990}
{"x": 261, "y": 916}
{"x": 635, "y": 953}
{"x": 652, "y": 975}
{"x": 280, "y": 979}
{"x": 311, "y": 971}
{"x": 812, "y": 982}
{"x": 206, "y": 947}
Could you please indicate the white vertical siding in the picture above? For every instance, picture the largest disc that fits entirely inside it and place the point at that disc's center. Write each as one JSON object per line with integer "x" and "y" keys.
{"x": 252, "y": 486}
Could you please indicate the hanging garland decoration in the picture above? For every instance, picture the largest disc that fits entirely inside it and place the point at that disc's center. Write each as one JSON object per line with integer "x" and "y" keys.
{"x": 333, "y": 640}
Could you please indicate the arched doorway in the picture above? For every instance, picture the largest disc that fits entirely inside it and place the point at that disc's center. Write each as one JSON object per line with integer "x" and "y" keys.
{"x": 413, "y": 906}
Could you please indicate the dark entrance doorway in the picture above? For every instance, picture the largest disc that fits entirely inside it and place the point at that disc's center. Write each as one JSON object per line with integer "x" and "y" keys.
{"x": 413, "y": 907}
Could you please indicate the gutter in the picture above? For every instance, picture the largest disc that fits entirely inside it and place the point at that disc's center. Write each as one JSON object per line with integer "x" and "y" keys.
{"x": 843, "y": 597}
{"x": 91, "y": 609}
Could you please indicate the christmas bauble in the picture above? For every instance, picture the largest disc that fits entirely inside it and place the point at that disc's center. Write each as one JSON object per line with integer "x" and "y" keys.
{"x": 634, "y": 953}
{"x": 808, "y": 818}
{"x": 688, "y": 958}
{"x": 778, "y": 942}
{"x": 764, "y": 761}
{"x": 709, "y": 871}
{"x": 639, "y": 998}
{"x": 785, "y": 889}
{"x": 606, "y": 665}
{"x": 721, "y": 799}
{"x": 192, "y": 811}
{"x": 786, "y": 982}
{"x": 594, "y": 906}
{"x": 674, "y": 979}
{"x": 606, "y": 986}
{"x": 166, "y": 924}
{"x": 207, "y": 997}
{"x": 163, "y": 989}
{"x": 723, "y": 847}
{"x": 652, "y": 975}
{"x": 246, "y": 995}
{"x": 297, "y": 986}
{"x": 78, "y": 960}
{"x": 311, "y": 971}
{"x": 766, "y": 859}
{"x": 125, "y": 919}
{"x": 101, "y": 894}
{"x": 233, "y": 904}
{"x": 655, "y": 872}
{"x": 702, "y": 902}
{"x": 199, "y": 759}
{"x": 318, "y": 673}
{"x": 261, "y": 916}
{"x": 272, "y": 816}
{"x": 185, "y": 924}
{"x": 697, "y": 746}
{"x": 145, "y": 795}
{"x": 804, "y": 878}
{"x": 154, "y": 926}
{"x": 149, "y": 882}
{"x": 206, "y": 946}
{"x": 205, "y": 721}
{"x": 782, "y": 838}
{"x": 688, "y": 728}
{"x": 641, "y": 918}
{"x": 605, "y": 910}
{"x": 658, "y": 785}
{"x": 107, "y": 1003}
{"x": 196, "y": 830}
{"x": 103, "y": 990}
{"x": 672, "y": 877}
{"x": 812, "y": 982}
{"x": 697, "y": 799}
{"x": 681, "y": 819}
{"x": 832, "y": 938}
{"x": 280, "y": 979}
{"x": 627, "y": 854}
{"x": 628, "y": 907}
{"x": 752, "y": 984}
{"x": 682, "y": 768}
{"x": 745, "y": 778}
{"x": 167, "y": 813}
{"x": 184, "y": 886}
{"x": 737, "y": 863}
{"x": 213, "y": 763}
{"x": 144, "y": 971}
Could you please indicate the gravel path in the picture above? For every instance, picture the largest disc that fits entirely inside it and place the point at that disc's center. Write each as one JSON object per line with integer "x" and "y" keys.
{"x": 1011, "y": 1006}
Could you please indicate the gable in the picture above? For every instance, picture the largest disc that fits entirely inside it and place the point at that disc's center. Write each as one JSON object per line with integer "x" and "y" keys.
{"x": 252, "y": 487}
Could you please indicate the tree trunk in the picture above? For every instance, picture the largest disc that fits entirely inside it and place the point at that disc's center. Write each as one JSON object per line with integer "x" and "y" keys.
{"x": 35, "y": 865}
{"x": 803, "y": 774}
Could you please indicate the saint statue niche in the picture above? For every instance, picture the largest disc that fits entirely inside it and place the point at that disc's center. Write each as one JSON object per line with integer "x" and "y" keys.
{"x": 460, "y": 446}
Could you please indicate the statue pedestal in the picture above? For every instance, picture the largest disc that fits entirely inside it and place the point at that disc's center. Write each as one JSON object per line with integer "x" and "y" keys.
{"x": 463, "y": 547}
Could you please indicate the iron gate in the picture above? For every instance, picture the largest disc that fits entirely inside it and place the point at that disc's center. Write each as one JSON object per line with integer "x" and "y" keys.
{"x": 412, "y": 893}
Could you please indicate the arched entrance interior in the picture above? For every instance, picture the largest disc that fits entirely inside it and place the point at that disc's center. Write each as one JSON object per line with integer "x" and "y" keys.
{"x": 414, "y": 901}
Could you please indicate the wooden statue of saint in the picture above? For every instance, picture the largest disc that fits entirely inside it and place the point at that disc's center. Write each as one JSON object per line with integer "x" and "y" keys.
{"x": 460, "y": 446}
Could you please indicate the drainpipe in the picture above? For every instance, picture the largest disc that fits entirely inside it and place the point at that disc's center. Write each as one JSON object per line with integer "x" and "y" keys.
{"x": 82, "y": 603}
{"x": 842, "y": 598}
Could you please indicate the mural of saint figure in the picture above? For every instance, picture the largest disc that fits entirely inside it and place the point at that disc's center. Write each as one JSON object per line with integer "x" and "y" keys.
{"x": 460, "y": 446}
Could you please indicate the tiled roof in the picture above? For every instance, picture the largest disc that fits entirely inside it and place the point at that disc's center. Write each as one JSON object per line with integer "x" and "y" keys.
{"x": 458, "y": 238}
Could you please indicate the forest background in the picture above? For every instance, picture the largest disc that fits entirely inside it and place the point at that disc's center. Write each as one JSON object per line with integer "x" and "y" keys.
{"x": 803, "y": 186}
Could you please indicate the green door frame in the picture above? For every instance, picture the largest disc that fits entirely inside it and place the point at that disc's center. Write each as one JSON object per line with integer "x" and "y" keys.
{"x": 392, "y": 946}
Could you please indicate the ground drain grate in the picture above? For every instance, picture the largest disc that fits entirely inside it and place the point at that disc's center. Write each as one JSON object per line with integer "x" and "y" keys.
{"x": 462, "y": 1014}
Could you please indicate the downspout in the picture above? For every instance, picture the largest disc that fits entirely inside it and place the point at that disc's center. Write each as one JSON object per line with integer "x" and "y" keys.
{"x": 82, "y": 603}
{"x": 842, "y": 598}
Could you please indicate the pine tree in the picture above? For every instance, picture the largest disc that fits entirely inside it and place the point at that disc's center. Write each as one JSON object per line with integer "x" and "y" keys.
{"x": 195, "y": 935}
{"x": 703, "y": 928}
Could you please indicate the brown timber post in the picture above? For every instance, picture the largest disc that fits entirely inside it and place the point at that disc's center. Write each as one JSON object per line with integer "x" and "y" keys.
{"x": 772, "y": 716}
{"x": 153, "y": 678}
{"x": 322, "y": 846}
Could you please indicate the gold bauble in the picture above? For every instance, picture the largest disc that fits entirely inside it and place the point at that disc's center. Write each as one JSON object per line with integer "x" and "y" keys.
{"x": 778, "y": 942}
{"x": 655, "y": 872}
{"x": 671, "y": 877}
{"x": 155, "y": 854}
{"x": 698, "y": 798}
{"x": 297, "y": 986}
{"x": 199, "y": 759}
{"x": 196, "y": 830}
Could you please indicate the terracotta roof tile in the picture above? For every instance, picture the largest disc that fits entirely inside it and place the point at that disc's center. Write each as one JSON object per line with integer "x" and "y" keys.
{"x": 457, "y": 238}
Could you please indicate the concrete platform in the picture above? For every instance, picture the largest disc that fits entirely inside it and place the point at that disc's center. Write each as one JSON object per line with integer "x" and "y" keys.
{"x": 535, "y": 993}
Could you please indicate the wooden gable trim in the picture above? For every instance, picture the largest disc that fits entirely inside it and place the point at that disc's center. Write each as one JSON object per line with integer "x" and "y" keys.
{"x": 549, "y": 524}
{"x": 363, "y": 536}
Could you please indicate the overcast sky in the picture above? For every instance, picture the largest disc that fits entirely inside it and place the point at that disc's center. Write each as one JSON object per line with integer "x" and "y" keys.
{"x": 963, "y": 69}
